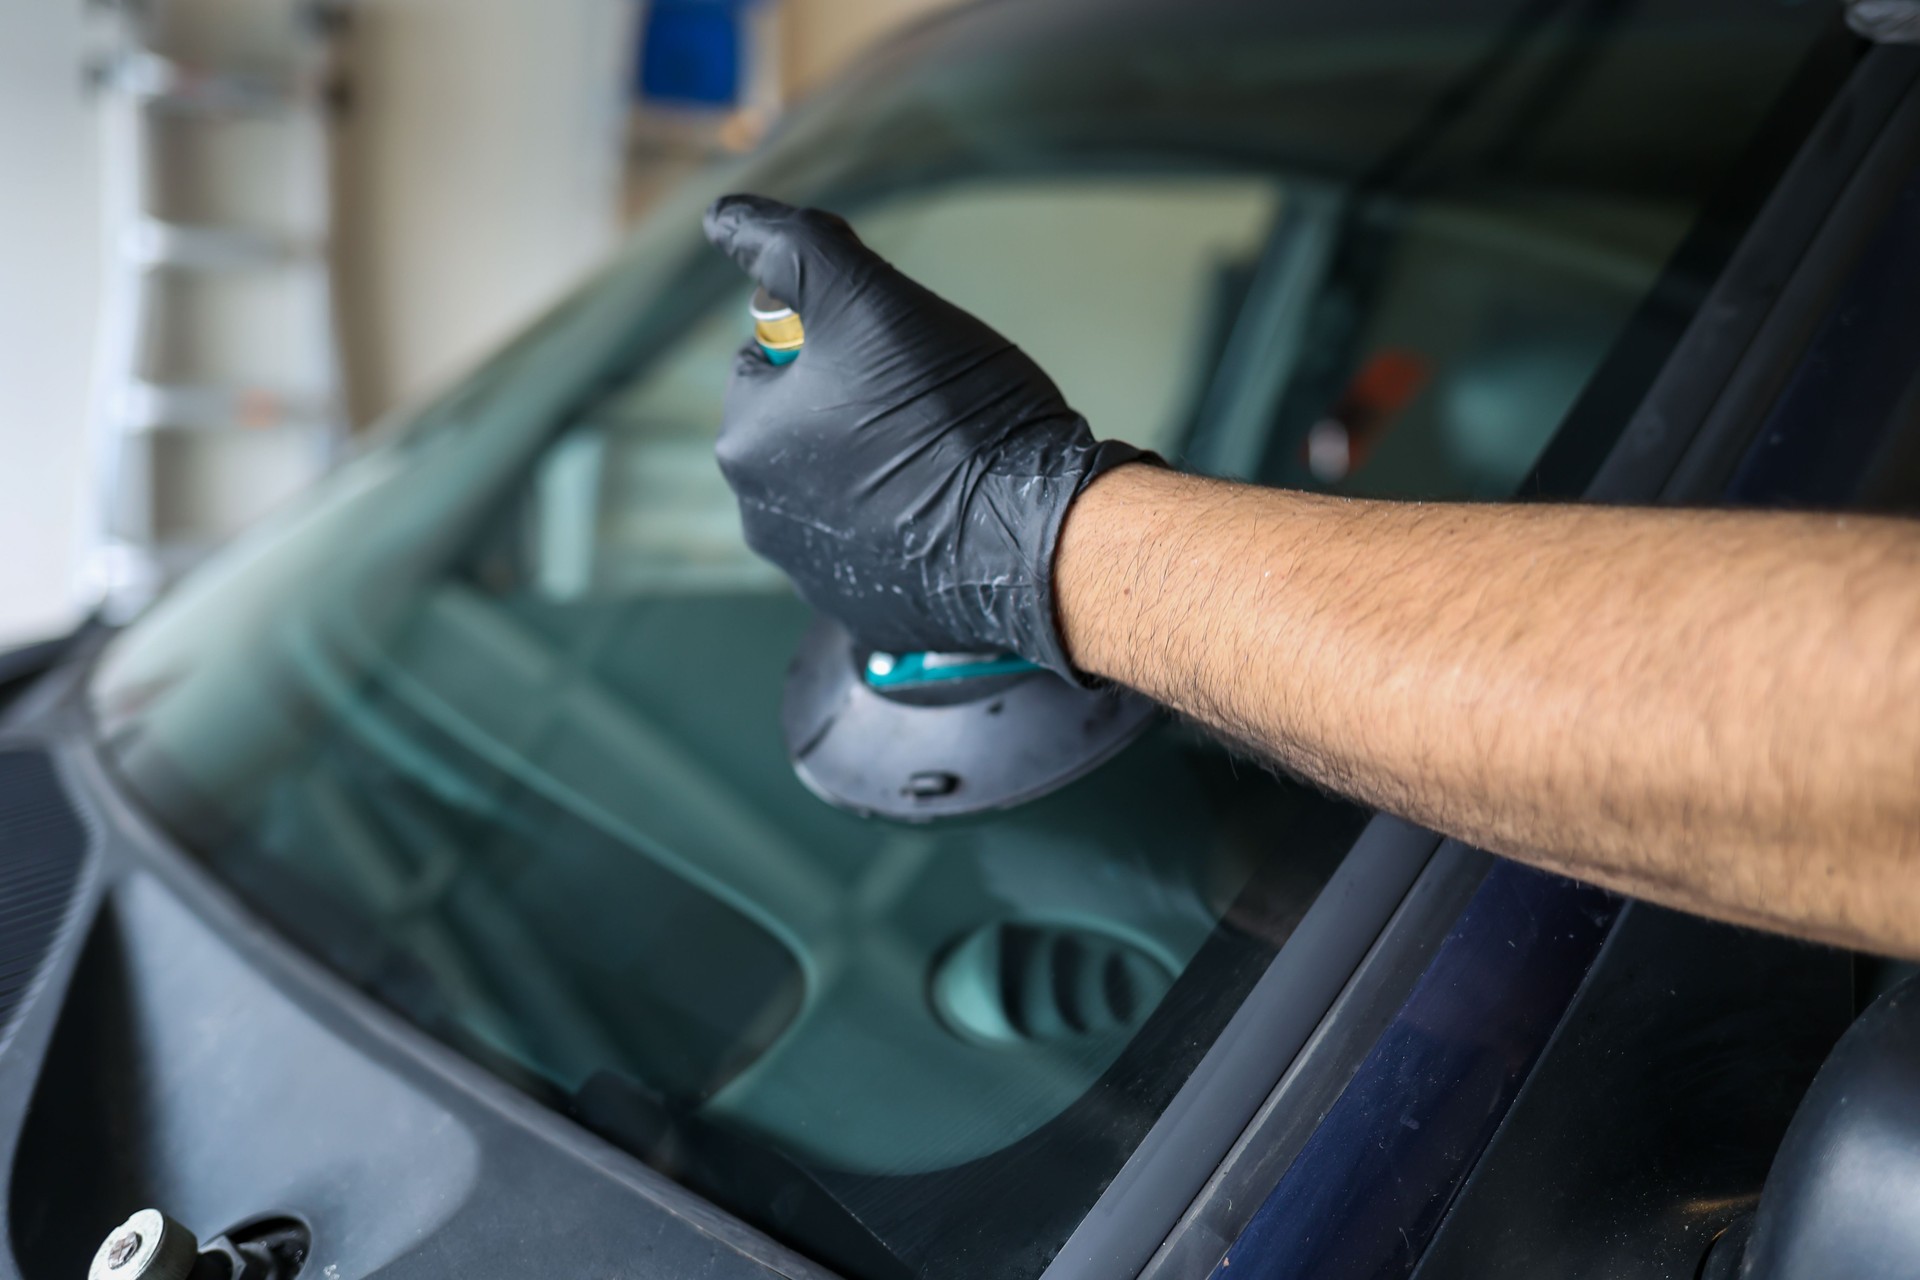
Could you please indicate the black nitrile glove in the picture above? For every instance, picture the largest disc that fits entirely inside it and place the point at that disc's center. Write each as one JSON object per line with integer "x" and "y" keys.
{"x": 912, "y": 468}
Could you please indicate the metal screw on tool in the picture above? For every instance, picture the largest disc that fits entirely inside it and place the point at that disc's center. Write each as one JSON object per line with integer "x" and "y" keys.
{"x": 147, "y": 1246}
{"x": 120, "y": 1251}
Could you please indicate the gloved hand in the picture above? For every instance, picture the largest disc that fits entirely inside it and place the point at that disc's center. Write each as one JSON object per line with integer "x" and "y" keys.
{"x": 912, "y": 468}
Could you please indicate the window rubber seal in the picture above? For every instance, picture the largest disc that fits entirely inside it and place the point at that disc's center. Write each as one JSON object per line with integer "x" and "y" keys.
{"x": 1214, "y": 1156}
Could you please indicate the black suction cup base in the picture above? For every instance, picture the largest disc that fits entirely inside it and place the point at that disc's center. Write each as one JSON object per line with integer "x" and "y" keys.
{"x": 985, "y": 744}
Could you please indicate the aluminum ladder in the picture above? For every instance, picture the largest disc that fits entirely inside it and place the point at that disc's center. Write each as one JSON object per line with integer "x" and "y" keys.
{"x": 219, "y": 389}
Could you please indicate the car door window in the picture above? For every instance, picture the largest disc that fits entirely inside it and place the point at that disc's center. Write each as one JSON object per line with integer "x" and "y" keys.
{"x": 1119, "y": 288}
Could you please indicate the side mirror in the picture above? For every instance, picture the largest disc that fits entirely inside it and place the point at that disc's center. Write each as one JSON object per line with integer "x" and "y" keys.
{"x": 1842, "y": 1201}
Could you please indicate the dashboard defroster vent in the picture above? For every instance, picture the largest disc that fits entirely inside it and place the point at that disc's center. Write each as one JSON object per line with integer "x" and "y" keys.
{"x": 1018, "y": 982}
{"x": 42, "y": 848}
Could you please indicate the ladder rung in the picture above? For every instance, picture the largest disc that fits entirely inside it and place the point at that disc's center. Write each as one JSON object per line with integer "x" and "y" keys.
{"x": 160, "y": 80}
{"x": 152, "y": 406}
{"x": 153, "y": 243}
{"x": 170, "y": 556}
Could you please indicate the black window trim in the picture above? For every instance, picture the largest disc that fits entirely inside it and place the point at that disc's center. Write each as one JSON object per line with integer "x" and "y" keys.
{"x": 1213, "y": 1157}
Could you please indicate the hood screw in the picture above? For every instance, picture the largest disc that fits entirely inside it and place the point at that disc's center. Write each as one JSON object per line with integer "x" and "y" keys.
{"x": 147, "y": 1246}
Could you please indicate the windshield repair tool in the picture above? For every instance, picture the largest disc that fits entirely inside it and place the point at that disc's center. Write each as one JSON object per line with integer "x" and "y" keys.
{"x": 775, "y": 327}
{"x": 917, "y": 736}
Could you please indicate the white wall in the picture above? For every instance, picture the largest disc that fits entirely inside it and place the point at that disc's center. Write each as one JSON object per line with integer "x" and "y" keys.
{"x": 49, "y": 289}
{"x": 479, "y": 176}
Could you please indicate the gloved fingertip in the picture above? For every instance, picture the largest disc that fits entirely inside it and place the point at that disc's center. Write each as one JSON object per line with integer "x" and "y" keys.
{"x": 741, "y": 216}
{"x": 794, "y": 253}
{"x": 758, "y": 234}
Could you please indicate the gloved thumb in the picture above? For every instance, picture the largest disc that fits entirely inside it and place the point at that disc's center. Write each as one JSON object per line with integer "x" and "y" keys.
{"x": 801, "y": 256}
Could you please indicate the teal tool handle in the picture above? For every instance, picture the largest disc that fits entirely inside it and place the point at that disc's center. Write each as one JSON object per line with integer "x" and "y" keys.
{"x": 904, "y": 670}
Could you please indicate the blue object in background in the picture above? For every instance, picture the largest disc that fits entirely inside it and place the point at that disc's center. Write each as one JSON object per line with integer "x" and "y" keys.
{"x": 691, "y": 52}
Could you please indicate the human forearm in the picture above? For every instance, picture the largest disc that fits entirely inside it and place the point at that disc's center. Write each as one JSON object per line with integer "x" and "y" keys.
{"x": 1720, "y": 711}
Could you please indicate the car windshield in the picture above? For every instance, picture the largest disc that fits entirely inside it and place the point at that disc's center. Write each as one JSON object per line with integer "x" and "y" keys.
{"x": 489, "y": 723}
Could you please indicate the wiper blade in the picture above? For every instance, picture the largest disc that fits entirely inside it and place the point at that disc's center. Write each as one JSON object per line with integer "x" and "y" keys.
{"x": 740, "y": 1174}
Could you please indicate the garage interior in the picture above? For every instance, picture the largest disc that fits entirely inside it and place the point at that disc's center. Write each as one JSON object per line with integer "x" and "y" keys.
{"x": 205, "y": 301}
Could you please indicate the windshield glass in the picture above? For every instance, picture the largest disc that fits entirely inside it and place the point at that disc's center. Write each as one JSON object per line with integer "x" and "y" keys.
{"x": 490, "y": 723}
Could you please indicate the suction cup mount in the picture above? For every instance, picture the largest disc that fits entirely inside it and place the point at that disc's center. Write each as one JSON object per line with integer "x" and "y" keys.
{"x": 922, "y": 736}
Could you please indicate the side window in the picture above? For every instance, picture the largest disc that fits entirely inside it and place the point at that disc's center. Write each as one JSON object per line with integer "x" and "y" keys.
{"x": 1121, "y": 289}
{"x": 630, "y": 501}
{"x": 1446, "y": 343}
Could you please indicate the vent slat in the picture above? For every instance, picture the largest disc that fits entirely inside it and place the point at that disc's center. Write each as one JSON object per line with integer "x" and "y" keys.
{"x": 42, "y": 847}
{"x": 1019, "y": 981}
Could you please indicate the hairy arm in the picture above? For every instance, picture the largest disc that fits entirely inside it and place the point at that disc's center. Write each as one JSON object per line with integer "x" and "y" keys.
{"x": 1719, "y": 711}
